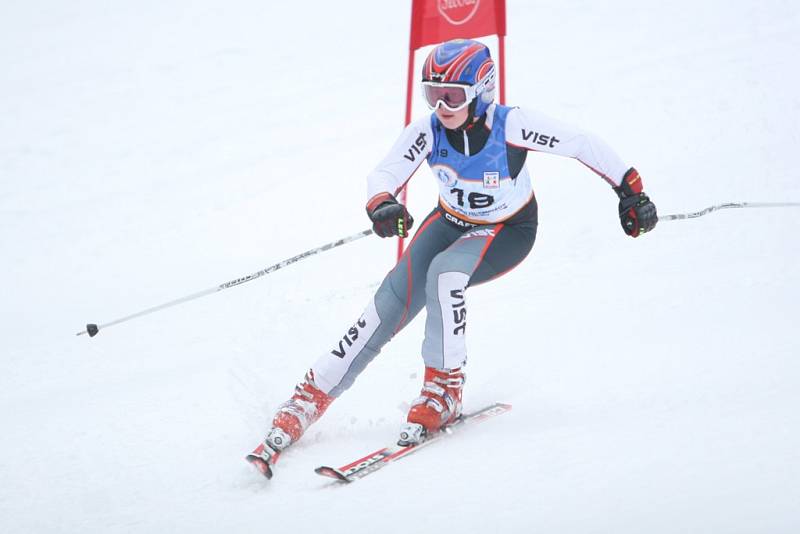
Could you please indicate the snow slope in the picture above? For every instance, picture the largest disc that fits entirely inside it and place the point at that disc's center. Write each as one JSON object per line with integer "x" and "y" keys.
{"x": 149, "y": 150}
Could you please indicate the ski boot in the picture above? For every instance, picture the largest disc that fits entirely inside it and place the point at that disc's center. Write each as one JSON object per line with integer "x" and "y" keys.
{"x": 438, "y": 405}
{"x": 293, "y": 418}
{"x": 267, "y": 453}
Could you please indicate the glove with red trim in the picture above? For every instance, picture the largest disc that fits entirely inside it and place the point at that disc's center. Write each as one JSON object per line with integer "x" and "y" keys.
{"x": 389, "y": 217}
{"x": 636, "y": 212}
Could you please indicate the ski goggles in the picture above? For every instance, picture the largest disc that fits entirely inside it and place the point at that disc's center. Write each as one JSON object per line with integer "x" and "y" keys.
{"x": 453, "y": 96}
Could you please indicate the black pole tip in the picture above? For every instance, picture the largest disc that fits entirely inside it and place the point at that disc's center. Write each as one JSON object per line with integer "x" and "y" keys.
{"x": 92, "y": 330}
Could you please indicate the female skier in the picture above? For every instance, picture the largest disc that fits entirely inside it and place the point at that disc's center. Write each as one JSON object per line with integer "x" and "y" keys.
{"x": 483, "y": 226}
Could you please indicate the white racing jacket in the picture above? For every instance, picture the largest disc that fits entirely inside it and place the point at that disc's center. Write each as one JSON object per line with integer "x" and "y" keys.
{"x": 479, "y": 188}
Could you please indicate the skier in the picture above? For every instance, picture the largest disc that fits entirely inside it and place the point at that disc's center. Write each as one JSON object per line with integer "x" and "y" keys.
{"x": 483, "y": 226}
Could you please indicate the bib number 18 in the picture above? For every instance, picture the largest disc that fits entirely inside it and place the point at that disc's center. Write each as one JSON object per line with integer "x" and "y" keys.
{"x": 476, "y": 200}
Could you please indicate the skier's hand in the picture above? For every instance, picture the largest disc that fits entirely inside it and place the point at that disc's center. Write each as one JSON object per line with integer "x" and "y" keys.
{"x": 637, "y": 213}
{"x": 389, "y": 217}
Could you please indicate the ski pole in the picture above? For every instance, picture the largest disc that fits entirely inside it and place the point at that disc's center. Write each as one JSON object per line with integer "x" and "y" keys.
{"x": 92, "y": 328}
{"x": 709, "y": 209}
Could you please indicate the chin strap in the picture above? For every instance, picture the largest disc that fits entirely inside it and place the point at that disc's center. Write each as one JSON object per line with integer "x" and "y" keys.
{"x": 470, "y": 114}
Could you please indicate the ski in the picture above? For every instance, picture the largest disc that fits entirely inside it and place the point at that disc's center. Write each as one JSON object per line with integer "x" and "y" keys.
{"x": 382, "y": 457}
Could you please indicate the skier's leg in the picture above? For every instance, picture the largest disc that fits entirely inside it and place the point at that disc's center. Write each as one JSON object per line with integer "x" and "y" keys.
{"x": 480, "y": 254}
{"x": 398, "y": 300}
{"x": 510, "y": 246}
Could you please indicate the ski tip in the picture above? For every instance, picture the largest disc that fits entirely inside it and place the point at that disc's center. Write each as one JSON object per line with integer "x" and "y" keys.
{"x": 259, "y": 463}
{"x": 332, "y": 472}
{"x": 497, "y": 407}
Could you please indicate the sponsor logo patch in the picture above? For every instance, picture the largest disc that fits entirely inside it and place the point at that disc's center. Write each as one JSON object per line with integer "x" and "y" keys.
{"x": 457, "y": 221}
{"x": 491, "y": 180}
{"x": 540, "y": 139}
{"x": 349, "y": 338}
{"x": 459, "y": 311}
{"x": 446, "y": 176}
{"x": 417, "y": 148}
{"x": 481, "y": 232}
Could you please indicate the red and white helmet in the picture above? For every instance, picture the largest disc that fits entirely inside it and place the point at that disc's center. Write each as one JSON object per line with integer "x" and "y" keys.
{"x": 457, "y": 74}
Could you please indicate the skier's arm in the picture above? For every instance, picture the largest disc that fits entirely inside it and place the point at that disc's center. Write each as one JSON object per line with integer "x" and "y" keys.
{"x": 408, "y": 152}
{"x": 535, "y": 131}
{"x": 389, "y": 217}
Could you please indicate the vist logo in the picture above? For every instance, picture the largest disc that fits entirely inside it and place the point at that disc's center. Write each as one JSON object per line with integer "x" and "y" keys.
{"x": 491, "y": 180}
{"x": 416, "y": 149}
{"x": 349, "y": 338}
{"x": 459, "y": 311}
{"x": 539, "y": 139}
{"x": 458, "y": 12}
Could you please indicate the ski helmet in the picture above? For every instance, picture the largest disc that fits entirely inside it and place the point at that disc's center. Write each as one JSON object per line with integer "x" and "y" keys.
{"x": 461, "y": 62}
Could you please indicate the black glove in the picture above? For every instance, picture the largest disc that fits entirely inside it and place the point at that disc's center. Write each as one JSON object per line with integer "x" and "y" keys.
{"x": 637, "y": 213}
{"x": 389, "y": 217}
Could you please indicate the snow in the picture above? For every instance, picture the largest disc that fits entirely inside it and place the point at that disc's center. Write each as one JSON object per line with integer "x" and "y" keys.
{"x": 150, "y": 150}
